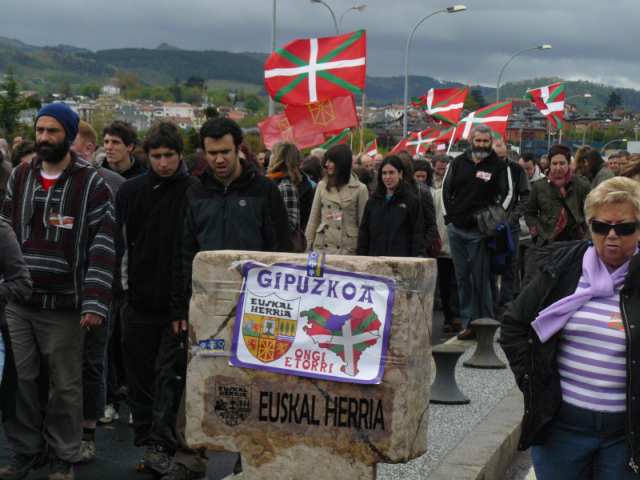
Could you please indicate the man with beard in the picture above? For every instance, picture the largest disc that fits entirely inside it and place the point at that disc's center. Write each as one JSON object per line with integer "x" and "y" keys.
{"x": 474, "y": 181}
{"x": 61, "y": 211}
{"x": 148, "y": 212}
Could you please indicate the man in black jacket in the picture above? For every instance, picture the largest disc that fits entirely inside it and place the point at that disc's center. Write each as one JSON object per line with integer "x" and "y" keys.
{"x": 473, "y": 181}
{"x": 233, "y": 207}
{"x": 148, "y": 212}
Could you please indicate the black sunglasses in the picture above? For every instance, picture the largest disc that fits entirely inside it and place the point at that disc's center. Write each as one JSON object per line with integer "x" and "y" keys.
{"x": 621, "y": 229}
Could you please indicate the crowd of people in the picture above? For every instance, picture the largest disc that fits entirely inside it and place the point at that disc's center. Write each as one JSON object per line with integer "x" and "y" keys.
{"x": 99, "y": 243}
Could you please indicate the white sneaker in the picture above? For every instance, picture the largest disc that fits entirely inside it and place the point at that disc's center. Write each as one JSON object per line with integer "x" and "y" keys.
{"x": 110, "y": 414}
{"x": 130, "y": 418}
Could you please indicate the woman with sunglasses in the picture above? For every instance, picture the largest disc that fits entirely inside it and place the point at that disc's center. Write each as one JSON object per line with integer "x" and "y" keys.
{"x": 572, "y": 338}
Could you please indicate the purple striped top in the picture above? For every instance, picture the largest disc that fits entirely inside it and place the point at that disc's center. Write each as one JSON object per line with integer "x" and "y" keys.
{"x": 592, "y": 356}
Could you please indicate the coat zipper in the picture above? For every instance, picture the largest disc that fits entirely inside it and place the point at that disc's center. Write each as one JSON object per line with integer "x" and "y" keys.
{"x": 632, "y": 464}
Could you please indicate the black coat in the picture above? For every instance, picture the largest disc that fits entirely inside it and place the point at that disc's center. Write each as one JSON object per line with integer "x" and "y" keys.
{"x": 248, "y": 214}
{"x": 534, "y": 364}
{"x": 392, "y": 228}
{"x": 149, "y": 214}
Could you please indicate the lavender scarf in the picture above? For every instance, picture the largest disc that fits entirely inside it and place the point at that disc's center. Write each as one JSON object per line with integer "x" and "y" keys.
{"x": 600, "y": 283}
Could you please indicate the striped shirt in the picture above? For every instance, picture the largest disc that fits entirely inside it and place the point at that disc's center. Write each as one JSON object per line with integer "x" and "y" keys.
{"x": 592, "y": 355}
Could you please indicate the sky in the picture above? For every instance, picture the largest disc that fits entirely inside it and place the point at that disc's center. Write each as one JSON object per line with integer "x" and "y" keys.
{"x": 591, "y": 39}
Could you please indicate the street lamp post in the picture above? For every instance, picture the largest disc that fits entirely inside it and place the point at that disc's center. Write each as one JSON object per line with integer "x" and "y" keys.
{"x": 357, "y": 8}
{"x": 452, "y": 9}
{"x": 333, "y": 15}
{"x": 544, "y": 46}
{"x": 272, "y": 105}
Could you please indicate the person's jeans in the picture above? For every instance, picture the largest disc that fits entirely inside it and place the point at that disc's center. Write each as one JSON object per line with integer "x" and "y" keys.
{"x": 51, "y": 341}
{"x": 473, "y": 273}
{"x": 583, "y": 444}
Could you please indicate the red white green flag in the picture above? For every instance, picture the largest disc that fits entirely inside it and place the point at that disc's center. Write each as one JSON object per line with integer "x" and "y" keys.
{"x": 340, "y": 138}
{"x": 314, "y": 69}
{"x": 418, "y": 143}
{"x": 494, "y": 116}
{"x": 277, "y": 129}
{"x": 418, "y": 102}
{"x": 550, "y": 102}
{"x": 372, "y": 148}
{"x": 446, "y": 104}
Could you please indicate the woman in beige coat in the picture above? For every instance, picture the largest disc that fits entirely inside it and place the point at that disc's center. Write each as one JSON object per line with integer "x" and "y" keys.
{"x": 337, "y": 207}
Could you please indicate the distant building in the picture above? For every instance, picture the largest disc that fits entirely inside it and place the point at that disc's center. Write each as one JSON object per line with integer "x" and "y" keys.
{"x": 111, "y": 90}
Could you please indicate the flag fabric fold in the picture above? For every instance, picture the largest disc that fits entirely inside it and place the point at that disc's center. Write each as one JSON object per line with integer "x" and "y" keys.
{"x": 277, "y": 128}
{"x": 325, "y": 117}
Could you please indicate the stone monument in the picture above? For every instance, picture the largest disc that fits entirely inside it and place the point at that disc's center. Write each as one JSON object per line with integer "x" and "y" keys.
{"x": 291, "y": 427}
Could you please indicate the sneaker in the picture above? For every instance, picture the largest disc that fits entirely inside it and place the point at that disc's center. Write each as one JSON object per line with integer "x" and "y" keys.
{"x": 110, "y": 414}
{"x": 130, "y": 419}
{"x": 156, "y": 459}
{"x": 87, "y": 451}
{"x": 60, "y": 470}
{"x": 180, "y": 472}
{"x": 467, "y": 334}
{"x": 20, "y": 466}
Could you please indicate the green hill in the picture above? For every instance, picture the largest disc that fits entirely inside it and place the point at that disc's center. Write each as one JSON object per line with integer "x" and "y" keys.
{"x": 49, "y": 69}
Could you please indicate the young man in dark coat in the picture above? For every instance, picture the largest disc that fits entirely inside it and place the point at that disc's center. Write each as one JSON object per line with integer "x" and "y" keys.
{"x": 148, "y": 213}
{"x": 233, "y": 207}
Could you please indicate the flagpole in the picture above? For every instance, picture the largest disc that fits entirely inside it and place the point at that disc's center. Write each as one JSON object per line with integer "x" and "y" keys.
{"x": 548, "y": 135}
{"x": 451, "y": 139}
{"x": 272, "y": 106}
{"x": 560, "y": 135}
{"x": 362, "y": 121}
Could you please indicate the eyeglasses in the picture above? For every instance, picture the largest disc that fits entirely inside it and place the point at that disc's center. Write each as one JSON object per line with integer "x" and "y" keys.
{"x": 621, "y": 229}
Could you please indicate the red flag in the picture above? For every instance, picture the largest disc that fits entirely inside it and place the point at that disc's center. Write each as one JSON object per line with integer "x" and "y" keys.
{"x": 550, "y": 102}
{"x": 327, "y": 116}
{"x": 494, "y": 116}
{"x": 278, "y": 129}
{"x": 372, "y": 148}
{"x": 446, "y": 104}
{"x": 314, "y": 69}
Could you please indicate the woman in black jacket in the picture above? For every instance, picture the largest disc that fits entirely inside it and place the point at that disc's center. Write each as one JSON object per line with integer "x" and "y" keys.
{"x": 572, "y": 338}
{"x": 392, "y": 224}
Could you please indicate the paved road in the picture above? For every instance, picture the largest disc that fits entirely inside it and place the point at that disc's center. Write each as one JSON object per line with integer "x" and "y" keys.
{"x": 117, "y": 457}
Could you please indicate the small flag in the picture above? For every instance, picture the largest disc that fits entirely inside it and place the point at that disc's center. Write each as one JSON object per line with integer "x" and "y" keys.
{"x": 277, "y": 128}
{"x": 372, "y": 148}
{"x": 494, "y": 116}
{"x": 550, "y": 102}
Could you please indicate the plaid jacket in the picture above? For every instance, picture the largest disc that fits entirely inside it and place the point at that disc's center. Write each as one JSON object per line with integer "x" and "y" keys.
{"x": 66, "y": 235}
{"x": 289, "y": 194}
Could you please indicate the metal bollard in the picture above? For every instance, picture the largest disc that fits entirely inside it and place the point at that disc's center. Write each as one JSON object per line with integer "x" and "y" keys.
{"x": 485, "y": 355}
{"x": 444, "y": 388}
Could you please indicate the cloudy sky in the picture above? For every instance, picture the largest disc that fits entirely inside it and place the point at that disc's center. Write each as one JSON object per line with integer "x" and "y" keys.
{"x": 591, "y": 39}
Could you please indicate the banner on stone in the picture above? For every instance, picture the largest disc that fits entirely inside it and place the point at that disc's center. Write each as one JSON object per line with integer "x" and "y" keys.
{"x": 333, "y": 327}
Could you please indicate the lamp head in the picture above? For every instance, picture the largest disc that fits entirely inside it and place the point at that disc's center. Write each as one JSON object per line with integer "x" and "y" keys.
{"x": 360, "y": 8}
{"x": 456, "y": 8}
{"x": 545, "y": 46}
